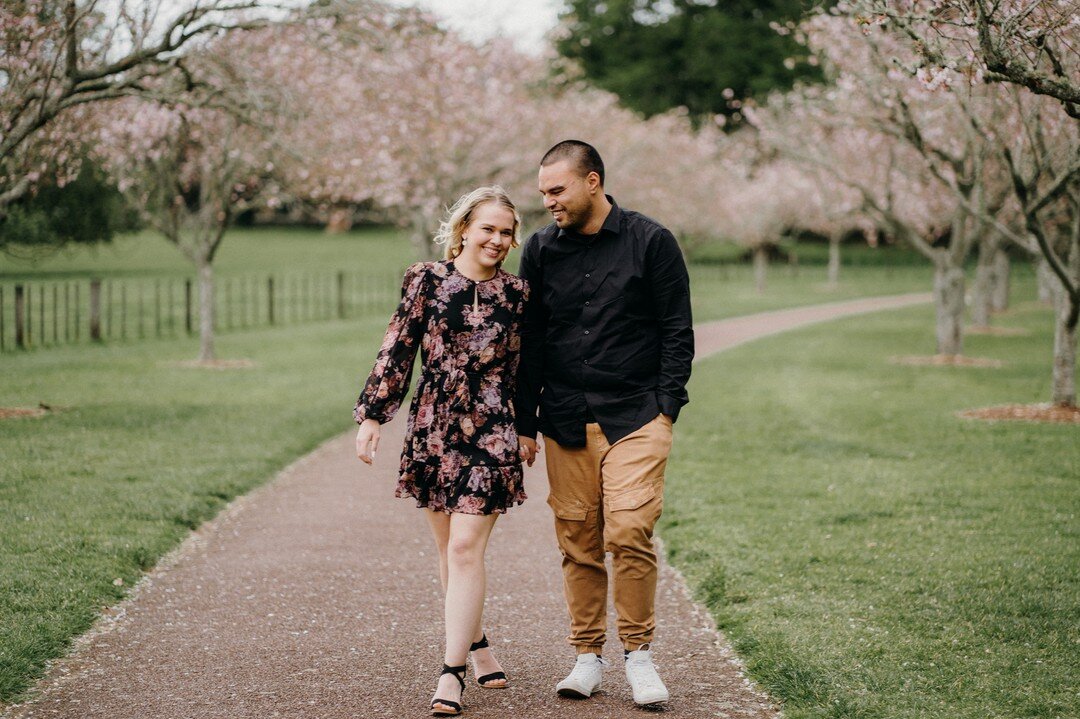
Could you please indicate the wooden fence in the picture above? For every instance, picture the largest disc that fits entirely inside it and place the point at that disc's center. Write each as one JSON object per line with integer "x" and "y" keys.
{"x": 50, "y": 313}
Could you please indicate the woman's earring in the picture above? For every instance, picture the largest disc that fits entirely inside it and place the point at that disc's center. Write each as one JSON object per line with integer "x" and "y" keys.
{"x": 464, "y": 240}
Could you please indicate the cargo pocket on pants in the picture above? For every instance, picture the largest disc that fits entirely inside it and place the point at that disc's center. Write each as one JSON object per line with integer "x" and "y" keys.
{"x": 630, "y": 499}
{"x": 567, "y": 509}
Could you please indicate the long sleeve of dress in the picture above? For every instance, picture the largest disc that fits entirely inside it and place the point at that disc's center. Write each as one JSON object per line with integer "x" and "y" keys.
{"x": 388, "y": 383}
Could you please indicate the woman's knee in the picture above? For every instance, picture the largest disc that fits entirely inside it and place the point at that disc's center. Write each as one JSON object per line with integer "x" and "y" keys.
{"x": 464, "y": 549}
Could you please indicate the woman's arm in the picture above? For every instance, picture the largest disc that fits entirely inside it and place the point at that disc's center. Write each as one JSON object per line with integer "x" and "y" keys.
{"x": 388, "y": 382}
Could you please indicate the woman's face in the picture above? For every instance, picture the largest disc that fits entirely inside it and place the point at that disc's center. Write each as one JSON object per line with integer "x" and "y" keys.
{"x": 489, "y": 234}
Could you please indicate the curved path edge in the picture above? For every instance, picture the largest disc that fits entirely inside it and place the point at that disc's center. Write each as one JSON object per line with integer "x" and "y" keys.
{"x": 316, "y": 595}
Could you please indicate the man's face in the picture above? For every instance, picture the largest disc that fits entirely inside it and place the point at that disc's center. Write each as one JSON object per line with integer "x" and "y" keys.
{"x": 567, "y": 195}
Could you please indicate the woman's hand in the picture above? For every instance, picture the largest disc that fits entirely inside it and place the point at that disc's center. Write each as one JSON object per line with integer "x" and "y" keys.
{"x": 367, "y": 440}
{"x": 528, "y": 449}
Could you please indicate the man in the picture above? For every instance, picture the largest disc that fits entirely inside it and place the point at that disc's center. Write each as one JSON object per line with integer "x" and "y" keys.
{"x": 606, "y": 350}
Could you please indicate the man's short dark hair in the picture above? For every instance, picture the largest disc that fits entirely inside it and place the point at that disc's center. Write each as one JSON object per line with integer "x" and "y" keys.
{"x": 580, "y": 153}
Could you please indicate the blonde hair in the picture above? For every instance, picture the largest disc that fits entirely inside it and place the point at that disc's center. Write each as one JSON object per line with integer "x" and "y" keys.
{"x": 460, "y": 215}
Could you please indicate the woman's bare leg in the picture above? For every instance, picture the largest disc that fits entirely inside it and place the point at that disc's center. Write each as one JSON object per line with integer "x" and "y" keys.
{"x": 466, "y": 584}
{"x": 440, "y": 531}
{"x": 484, "y": 661}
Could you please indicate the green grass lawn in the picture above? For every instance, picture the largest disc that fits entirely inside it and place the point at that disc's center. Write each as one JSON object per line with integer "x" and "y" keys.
{"x": 259, "y": 250}
{"x": 869, "y": 553}
{"x": 728, "y": 291}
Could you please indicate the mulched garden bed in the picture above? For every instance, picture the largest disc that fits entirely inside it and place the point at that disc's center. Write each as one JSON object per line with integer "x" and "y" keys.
{"x": 214, "y": 364}
{"x": 1025, "y": 413}
{"x": 996, "y": 331}
{"x": 946, "y": 361}
{"x": 20, "y": 412}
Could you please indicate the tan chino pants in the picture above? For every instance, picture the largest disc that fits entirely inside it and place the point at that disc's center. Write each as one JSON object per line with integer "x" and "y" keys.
{"x": 608, "y": 497}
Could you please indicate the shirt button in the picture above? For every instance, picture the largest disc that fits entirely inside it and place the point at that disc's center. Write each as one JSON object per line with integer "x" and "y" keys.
{"x": 586, "y": 303}
{"x": 587, "y": 274}
{"x": 585, "y": 361}
{"x": 586, "y": 331}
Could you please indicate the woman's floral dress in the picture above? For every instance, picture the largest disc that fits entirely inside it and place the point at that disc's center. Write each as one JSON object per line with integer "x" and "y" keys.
{"x": 461, "y": 447}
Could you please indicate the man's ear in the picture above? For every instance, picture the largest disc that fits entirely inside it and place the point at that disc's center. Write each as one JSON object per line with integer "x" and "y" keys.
{"x": 593, "y": 181}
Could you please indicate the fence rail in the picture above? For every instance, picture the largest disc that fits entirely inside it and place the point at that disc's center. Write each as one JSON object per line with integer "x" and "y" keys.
{"x": 50, "y": 313}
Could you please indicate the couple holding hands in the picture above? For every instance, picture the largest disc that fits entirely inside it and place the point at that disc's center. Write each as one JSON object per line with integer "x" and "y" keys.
{"x": 591, "y": 346}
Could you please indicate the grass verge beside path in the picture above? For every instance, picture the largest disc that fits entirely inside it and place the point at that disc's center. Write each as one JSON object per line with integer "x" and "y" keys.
{"x": 721, "y": 292}
{"x": 145, "y": 453}
{"x": 868, "y": 553}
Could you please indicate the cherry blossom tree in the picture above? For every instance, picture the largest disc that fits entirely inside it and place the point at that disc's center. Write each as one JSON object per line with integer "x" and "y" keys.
{"x": 1030, "y": 46}
{"x": 827, "y": 129}
{"x": 62, "y": 56}
{"x": 190, "y": 170}
{"x": 1029, "y": 43}
{"x": 406, "y": 116}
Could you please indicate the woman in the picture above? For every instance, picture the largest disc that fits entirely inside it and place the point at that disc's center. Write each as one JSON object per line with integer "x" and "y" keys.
{"x": 461, "y": 461}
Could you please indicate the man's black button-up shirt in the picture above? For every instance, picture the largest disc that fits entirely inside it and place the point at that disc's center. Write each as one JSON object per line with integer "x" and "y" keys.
{"x": 607, "y": 329}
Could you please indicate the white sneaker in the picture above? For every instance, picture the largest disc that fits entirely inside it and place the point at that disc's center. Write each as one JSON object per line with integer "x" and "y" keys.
{"x": 640, "y": 672}
{"x": 584, "y": 679}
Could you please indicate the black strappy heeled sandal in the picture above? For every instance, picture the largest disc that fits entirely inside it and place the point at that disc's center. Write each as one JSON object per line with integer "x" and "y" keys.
{"x": 452, "y": 708}
{"x": 485, "y": 681}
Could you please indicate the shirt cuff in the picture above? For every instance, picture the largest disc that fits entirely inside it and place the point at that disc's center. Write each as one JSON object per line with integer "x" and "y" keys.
{"x": 526, "y": 426}
{"x": 669, "y": 406}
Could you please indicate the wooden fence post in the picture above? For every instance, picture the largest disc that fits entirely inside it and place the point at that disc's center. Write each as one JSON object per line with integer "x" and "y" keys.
{"x": 67, "y": 311}
{"x": 270, "y": 299}
{"x": 187, "y": 305}
{"x": 20, "y": 317}
{"x": 109, "y": 309}
{"x": 341, "y": 295}
{"x": 95, "y": 310}
{"x": 41, "y": 314}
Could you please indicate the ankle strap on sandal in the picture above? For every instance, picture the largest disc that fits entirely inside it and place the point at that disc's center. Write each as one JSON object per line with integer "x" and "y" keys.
{"x": 482, "y": 644}
{"x": 457, "y": 672}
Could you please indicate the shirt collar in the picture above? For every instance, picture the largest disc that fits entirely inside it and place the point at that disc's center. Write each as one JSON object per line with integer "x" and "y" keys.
{"x": 612, "y": 222}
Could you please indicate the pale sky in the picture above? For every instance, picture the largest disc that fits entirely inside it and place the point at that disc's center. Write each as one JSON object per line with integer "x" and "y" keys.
{"x": 524, "y": 21}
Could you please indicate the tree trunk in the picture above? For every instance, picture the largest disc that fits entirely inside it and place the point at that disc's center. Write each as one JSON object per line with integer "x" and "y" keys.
{"x": 1045, "y": 279}
{"x": 834, "y": 260}
{"x": 422, "y": 229}
{"x": 206, "y": 310}
{"x": 999, "y": 296}
{"x": 949, "y": 303}
{"x": 1064, "y": 380}
{"x": 340, "y": 221}
{"x": 982, "y": 291}
{"x": 761, "y": 263}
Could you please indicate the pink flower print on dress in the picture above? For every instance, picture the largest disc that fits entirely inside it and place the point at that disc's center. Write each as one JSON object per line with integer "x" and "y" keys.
{"x": 425, "y": 414}
{"x": 491, "y": 395}
{"x": 493, "y": 444}
{"x": 471, "y": 504}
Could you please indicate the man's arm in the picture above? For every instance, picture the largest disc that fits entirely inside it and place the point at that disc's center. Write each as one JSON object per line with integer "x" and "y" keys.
{"x": 530, "y": 378}
{"x": 670, "y": 285}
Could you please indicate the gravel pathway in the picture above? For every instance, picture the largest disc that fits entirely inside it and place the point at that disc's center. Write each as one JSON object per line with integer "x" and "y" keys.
{"x": 317, "y": 596}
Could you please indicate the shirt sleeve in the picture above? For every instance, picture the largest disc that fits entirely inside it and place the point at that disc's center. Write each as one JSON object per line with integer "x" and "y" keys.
{"x": 533, "y": 331}
{"x": 388, "y": 382}
{"x": 670, "y": 283}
